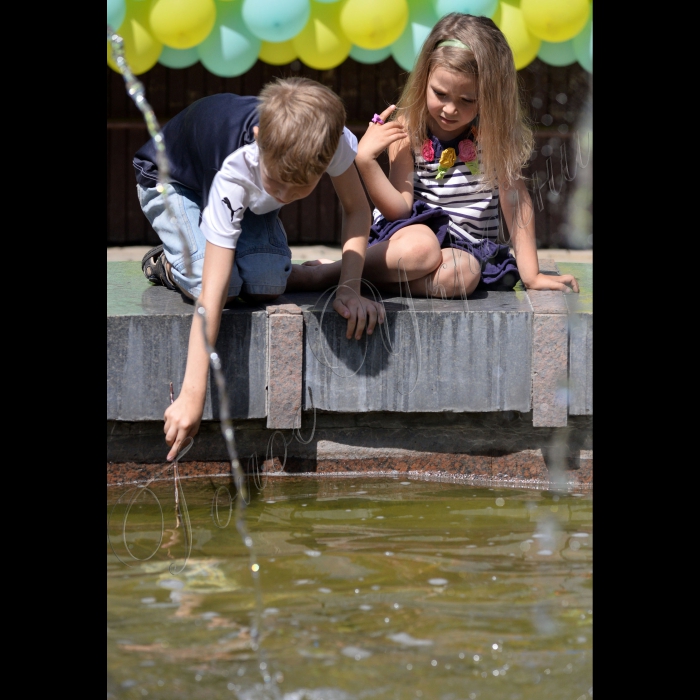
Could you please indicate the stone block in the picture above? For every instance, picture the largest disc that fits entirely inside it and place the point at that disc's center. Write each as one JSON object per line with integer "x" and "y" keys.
{"x": 581, "y": 364}
{"x": 148, "y": 331}
{"x": 285, "y": 366}
{"x": 428, "y": 356}
{"x": 549, "y": 370}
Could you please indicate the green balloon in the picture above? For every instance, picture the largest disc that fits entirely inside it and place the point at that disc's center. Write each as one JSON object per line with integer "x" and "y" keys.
{"x": 230, "y": 49}
{"x": 368, "y": 55}
{"x": 583, "y": 45}
{"x": 559, "y": 54}
{"x": 178, "y": 58}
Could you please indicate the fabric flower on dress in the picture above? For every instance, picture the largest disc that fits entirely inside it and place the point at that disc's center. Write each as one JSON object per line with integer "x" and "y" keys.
{"x": 427, "y": 151}
{"x": 467, "y": 153}
{"x": 447, "y": 160}
{"x": 467, "y": 150}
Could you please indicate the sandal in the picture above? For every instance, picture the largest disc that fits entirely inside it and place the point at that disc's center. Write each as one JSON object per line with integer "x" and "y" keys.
{"x": 153, "y": 267}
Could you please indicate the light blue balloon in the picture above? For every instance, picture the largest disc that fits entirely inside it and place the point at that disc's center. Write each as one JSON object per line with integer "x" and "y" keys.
{"x": 116, "y": 11}
{"x": 276, "y": 20}
{"x": 478, "y": 8}
{"x": 583, "y": 45}
{"x": 421, "y": 20}
{"x": 178, "y": 58}
{"x": 370, "y": 55}
{"x": 230, "y": 49}
{"x": 559, "y": 54}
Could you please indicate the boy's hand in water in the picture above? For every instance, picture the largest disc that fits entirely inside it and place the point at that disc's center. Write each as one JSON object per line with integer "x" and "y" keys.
{"x": 379, "y": 137}
{"x": 360, "y": 312}
{"x": 561, "y": 283}
{"x": 182, "y": 419}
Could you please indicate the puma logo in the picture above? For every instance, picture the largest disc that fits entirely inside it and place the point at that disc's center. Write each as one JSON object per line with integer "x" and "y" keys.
{"x": 225, "y": 201}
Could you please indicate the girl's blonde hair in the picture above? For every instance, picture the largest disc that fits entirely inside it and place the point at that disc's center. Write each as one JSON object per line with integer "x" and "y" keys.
{"x": 503, "y": 133}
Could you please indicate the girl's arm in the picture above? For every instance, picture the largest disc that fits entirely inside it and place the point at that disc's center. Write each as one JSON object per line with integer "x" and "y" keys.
{"x": 183, "y": 417}
{"x": 393, "y": 196}
{"x": 358, "y": 310}
{"x": 519, "y": 214}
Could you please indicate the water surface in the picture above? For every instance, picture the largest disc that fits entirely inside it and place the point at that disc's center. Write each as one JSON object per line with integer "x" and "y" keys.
{"x": 371, "y": 588}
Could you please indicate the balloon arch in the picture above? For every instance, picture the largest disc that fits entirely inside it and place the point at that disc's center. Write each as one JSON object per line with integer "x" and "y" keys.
{"x": 229, "y": 36}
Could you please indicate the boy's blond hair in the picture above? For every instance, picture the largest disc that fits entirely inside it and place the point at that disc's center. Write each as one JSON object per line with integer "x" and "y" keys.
{"x": 300, "y": 125}
{"x": 503, "y": 131}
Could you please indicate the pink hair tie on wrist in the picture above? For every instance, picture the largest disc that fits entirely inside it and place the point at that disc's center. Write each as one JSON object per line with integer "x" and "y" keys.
{"x": 376, "y": 119}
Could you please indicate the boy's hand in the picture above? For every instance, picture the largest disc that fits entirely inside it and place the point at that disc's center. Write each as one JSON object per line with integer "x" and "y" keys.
{"x": 182, "y": 419}
{"x": 379, "y": 137}
{"x": 561, "y": 283}
{"x": 360, "y": 312}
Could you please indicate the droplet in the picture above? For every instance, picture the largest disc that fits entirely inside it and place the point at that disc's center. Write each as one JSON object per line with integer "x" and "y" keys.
{"x": 255, "y": 567}
{"x": 500, "y": 502}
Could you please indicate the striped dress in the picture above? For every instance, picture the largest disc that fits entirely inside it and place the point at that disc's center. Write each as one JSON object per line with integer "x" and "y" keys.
{"x": 458, "y": 213}
{"x": 473, "y": 214}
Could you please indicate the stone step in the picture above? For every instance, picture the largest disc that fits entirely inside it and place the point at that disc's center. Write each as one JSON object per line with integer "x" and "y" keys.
{"x": 496, "y": 351}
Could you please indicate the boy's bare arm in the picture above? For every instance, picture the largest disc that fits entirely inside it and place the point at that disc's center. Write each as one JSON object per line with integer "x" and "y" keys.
{"x": 349, "y": 303}
{"x": 183, "y": 417}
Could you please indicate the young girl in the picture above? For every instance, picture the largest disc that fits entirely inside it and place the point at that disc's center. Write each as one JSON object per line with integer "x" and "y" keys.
{"x": 457, "y": 142}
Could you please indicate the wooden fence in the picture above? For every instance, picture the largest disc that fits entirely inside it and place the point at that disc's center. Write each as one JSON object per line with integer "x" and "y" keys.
{"x": 557, "y": 98}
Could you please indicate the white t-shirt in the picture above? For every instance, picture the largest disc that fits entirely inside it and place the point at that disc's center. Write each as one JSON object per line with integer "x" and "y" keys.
{"x": 238, "y": 186}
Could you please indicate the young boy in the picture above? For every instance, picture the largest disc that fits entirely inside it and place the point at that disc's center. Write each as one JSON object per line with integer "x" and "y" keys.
{"x": 234, "y": 162}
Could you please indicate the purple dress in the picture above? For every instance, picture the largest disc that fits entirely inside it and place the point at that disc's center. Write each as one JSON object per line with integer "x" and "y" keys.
{"x": 459, "y": 215}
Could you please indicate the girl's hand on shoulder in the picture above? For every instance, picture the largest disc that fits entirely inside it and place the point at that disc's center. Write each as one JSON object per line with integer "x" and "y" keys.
{"x": 560, "y": 283}
{"x": 379, "y": 137}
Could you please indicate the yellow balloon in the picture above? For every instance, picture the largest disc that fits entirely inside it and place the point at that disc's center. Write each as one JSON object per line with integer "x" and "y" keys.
{"x": 524, "y": 45}
{"x": 182, "y": 24}
{"x": 277, "y": 54}
{"x": 141, "y": 48}
{"x": 373, "y": 24}
{"x": 554, "y": 20}
{"x": 321, "y": 44}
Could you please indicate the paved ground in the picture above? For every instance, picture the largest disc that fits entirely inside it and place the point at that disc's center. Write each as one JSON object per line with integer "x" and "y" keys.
{"x": 312, "y": 252}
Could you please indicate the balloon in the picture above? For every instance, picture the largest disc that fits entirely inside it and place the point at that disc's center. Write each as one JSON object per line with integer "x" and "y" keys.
{"x": 321, "y": 44}
{"x": 276, "y": 20}
{"x": 278, "y": 54}
{"x": 182, "y": 24}
{"x": 478, "y": 8}
{"x": 116, "y": 11}
{"x": 421, "y": 20}
{"x": 178, "y": 58}
{"x": 583, "y": 45}
{"x": 555, "y": 20}
{"x": 373, "y": 24}
{"x": 141, "y": 48}
{"x": 509, "y": 19}
{"x": 230, "y": 49}
{"x": 561, "y": 54}
{"x": 367, "y": 56}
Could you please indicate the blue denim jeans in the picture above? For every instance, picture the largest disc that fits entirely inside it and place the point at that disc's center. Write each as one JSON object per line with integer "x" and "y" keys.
{"x": 263, "y": 259}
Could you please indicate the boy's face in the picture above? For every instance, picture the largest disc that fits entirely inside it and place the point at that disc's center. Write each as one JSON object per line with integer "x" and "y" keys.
{"x": 283, "y": 192}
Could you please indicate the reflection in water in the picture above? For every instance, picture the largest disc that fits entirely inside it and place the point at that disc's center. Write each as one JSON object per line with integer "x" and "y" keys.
{"x": 379, "y": 588}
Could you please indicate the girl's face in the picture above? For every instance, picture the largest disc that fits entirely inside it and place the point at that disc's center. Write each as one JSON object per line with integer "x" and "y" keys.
{"x": 452, "y": 102}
